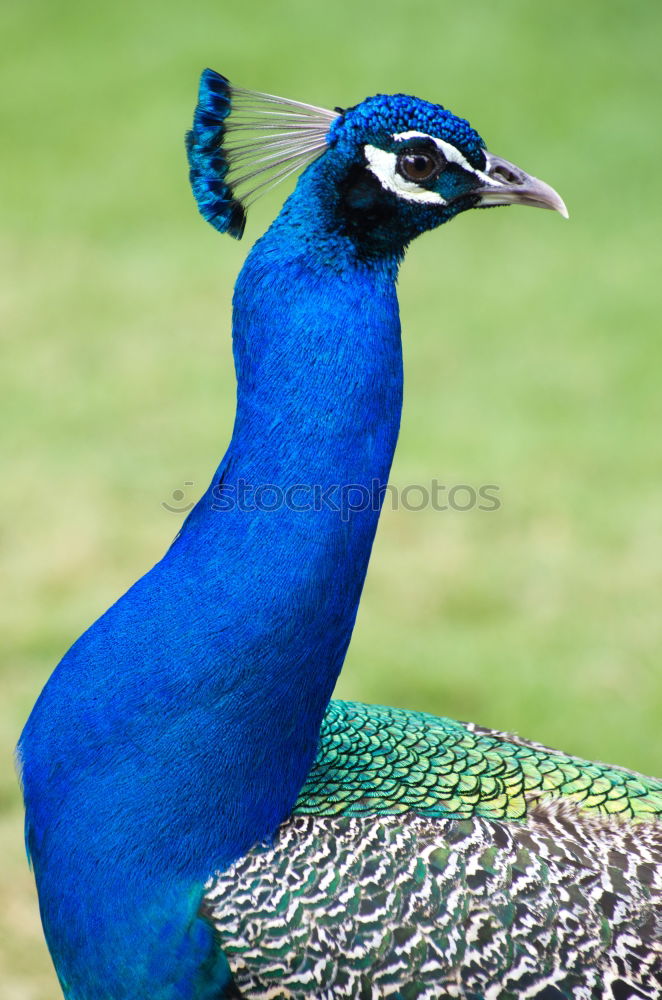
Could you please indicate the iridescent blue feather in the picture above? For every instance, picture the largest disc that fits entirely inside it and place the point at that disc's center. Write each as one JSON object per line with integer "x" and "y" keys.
{"x": 207, "y": 161}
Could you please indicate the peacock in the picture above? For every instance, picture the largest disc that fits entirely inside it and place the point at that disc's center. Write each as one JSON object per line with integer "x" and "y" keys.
{"x": 203, "y": 821}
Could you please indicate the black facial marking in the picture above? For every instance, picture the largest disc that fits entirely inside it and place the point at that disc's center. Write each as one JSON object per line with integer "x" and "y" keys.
{"x": 362, "y": 203}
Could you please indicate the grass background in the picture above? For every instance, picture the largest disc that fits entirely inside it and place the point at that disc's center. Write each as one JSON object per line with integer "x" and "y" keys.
{"x": 532, "y": 357}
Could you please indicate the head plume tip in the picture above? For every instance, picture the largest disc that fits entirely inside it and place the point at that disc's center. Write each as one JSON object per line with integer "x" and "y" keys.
{"x": 207, "y": 161}
{"x": 214, "y": 100}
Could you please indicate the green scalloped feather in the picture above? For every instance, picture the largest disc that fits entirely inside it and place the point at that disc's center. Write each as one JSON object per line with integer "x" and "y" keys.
{"x": 385, "y": 761}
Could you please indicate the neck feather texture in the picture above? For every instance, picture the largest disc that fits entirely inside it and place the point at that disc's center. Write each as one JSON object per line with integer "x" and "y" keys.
{"x": 179, "y": 729}
{"x": 283, "y": 536}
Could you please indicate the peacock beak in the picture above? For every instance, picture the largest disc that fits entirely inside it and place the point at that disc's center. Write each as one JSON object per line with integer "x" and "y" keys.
{"x": 502, "y": 183}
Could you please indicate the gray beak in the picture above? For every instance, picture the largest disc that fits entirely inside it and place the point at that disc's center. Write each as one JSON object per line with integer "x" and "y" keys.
{"x": 502, "y": 183}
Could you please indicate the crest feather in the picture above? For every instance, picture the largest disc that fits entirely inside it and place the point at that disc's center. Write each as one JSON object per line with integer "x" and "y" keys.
{"x": 243, "y": 142}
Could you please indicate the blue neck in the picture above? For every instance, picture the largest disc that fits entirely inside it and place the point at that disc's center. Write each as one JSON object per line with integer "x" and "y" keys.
{"x": 180, "y": 727}
{"x": 319, "y": 370}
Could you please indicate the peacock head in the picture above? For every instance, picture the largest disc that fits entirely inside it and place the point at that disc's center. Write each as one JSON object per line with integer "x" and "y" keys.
{"x": 391, "y": 167}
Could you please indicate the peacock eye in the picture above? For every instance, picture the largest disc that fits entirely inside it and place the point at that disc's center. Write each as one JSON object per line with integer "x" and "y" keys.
{"x": 418, "y": 166}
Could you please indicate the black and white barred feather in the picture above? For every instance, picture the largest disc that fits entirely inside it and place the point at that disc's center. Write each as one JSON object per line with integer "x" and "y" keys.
{"x": 558, "y": 909}
{"x": 428, "y": 859}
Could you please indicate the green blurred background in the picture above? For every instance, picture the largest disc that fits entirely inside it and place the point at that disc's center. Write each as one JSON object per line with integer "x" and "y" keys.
{"x": 532, "y": 357}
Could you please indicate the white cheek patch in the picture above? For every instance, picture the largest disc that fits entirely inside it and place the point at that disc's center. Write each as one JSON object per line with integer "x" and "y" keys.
{"x": 384, "y": 166}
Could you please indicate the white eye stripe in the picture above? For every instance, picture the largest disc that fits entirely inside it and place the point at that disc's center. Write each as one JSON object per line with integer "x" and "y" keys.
{"x": 384, "y": 166}
{"x": 451, "y": 152}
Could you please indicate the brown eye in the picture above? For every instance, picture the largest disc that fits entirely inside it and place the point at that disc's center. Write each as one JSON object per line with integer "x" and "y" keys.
{"x": 417, "y": 166}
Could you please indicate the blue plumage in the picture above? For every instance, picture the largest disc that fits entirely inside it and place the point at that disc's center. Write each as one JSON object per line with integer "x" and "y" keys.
{"x": 177, "y": 733}
{"x": 392, "y": 114}
{"x": 208, "y": 166}
{"x": 192, "y": 708}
